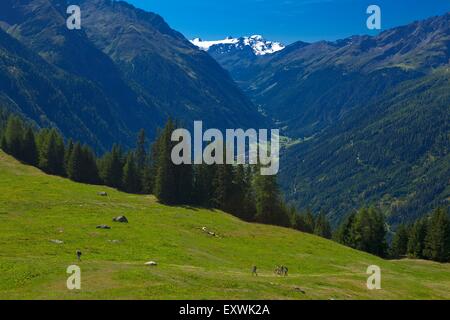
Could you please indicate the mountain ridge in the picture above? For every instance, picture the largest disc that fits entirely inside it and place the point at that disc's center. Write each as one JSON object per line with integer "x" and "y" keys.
{"x": 142, "y": 74}
{"x": 257, "y": 43}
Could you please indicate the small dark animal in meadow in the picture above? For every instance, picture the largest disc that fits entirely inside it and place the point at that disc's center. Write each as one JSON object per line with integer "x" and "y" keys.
{"x": 79, "y": 255}
{"x": 104, "y": 227}
{"x": 255, "y": 271}
{"x": 121, "y": 219}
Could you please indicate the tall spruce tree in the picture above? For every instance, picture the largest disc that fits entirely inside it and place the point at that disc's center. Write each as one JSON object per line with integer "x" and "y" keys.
{"x": 75, "y": 164}
{"x": 111, "y": 167}
{"x": 140, "y": 152}
{"x": 89, "y": 165}
{"x": 67, "y": 154}
{"x": 184, "y": 178}
{"x": 344, "y": 233}
{"x": 147, "y": 178}
{"x": 399, "y": 245}
{"x": 14, "y": 134}
{"x": 310, "y": 221}
{"x": 165, "y": 188}
{"x": 437, "y": 241}
{"x": 30, "y": 152}
{"x": 204, "y": 185}
{"x": 243, "y": 199}
{"x": 224, "y": 187}
{"x": 369, "y": 230}
{"x": 416, "y": 242}
{"x": 269, "y": 208}
{"x": 298, "y": 221}
{"x": 3, "y": 143}
{"x": 322, "y": 226}
{"x": 131, "y": 177}
{"x": 52, "y": 151}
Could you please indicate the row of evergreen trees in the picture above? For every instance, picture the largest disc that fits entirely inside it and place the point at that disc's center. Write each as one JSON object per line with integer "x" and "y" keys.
{"x": 364, "y": 230}
{"x": 427, "y": 238}
{"x": 237, "y": 189}
{"x": 47, "y": 150}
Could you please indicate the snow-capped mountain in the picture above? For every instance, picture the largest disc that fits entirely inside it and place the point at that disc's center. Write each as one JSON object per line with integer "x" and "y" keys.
{"x": 256, "y": 43}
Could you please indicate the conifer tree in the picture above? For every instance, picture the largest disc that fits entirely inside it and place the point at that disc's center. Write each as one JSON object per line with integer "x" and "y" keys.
{"x": 243, "y": 200}
{"x": 141, "y": 153}
{"x": 173, "y": 184}
{"x": 322, "y": 226}
{"x": 269, "y": 208}
{"x": 204, "y": 185}
{"x": 67, "y": 154}
{"x": 224, "y": 187}
{"x": 131, "y": 179}
{"x": 51, "y": 155}
{"x": 416, "y": 242}
{"x": 89, "y": 165}
{"x": 399, "y": 246}
{"x": 75, "y": 164}
{"x": 165, "y": 180}
{"x": 111, "y": 168}
{"x": 344, "y": 233}
{"x": 437, "y": 241}
{"x": 151, "y": 166}
{"x": 250, "y": 199}
{"x": 298, "y": 221}
{"x": 14, "y": 134}
{"x": 30, "y": 151}
{"x": 148, "y": 178}
{"x": 310, "y": 221}
{"x": 369, "y": 231}
{"x": 3, "y": 143}
{"x": 184, "y": 184}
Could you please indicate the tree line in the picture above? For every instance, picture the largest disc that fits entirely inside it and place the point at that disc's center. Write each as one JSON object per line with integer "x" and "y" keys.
{"x": 427, "y": 238}
{"x": 237, "y": 189}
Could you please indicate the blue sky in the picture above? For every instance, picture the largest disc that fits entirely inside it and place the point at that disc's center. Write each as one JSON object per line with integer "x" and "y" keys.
{"x": 286, "y": 20}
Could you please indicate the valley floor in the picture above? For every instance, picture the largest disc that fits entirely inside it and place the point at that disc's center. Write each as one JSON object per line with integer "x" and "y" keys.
{"x": 36, "y": 210}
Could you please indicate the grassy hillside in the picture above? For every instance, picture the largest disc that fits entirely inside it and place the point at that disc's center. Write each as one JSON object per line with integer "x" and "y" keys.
{"x": 36, "y": 208}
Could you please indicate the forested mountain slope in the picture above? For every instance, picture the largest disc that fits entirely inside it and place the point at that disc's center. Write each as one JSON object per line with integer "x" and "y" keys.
{"x": 394, "y": 153}
{"x": 371, "y": 115}
{"x": 125, "y": 69}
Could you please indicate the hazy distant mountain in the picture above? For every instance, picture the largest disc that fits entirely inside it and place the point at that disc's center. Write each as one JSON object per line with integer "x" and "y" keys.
{"x": 126, "y": 69}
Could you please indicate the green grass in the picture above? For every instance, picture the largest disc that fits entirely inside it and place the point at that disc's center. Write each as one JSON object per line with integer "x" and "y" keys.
{"x": 36, "y": 208}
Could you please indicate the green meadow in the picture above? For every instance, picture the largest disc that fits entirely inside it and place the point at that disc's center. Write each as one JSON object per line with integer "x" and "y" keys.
{"x": 36, "y": 209}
